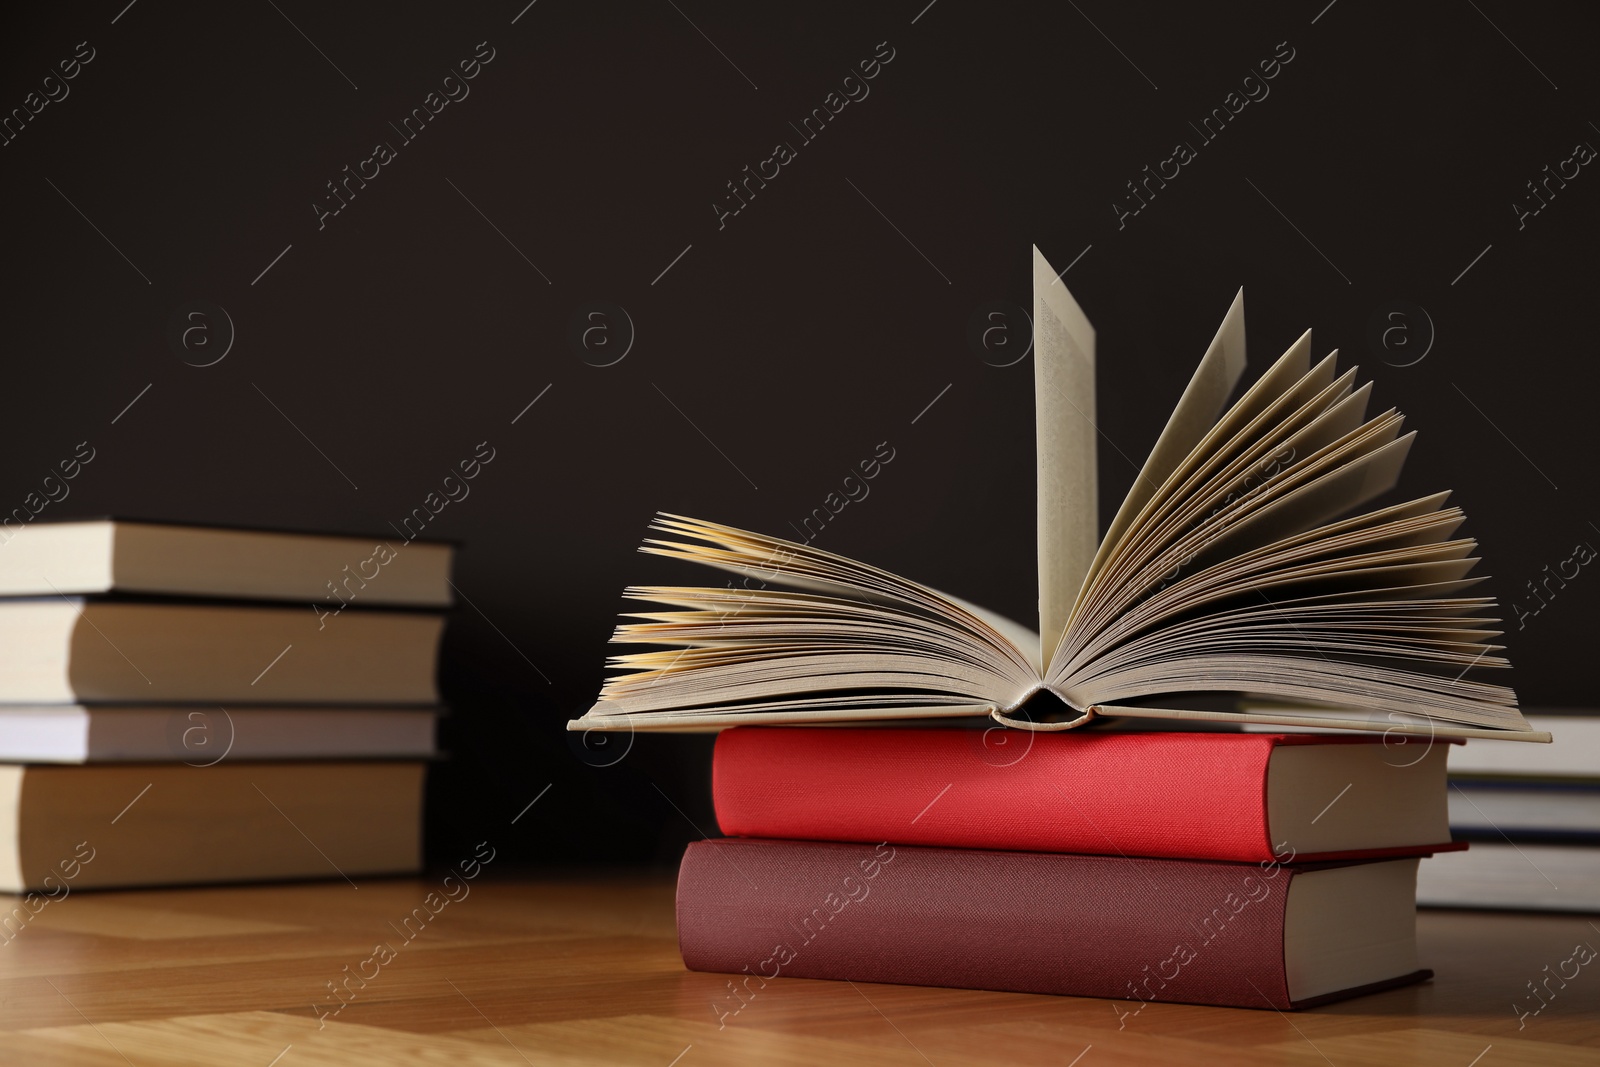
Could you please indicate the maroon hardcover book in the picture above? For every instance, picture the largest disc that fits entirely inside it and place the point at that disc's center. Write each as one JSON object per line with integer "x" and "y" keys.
{"x": 1248, "y": 935}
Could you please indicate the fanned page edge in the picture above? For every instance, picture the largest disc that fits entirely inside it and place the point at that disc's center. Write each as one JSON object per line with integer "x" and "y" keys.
{"x": 1070, "y": 560}
{"x": 700, "y": 721}
{"x": 1204, "y": 400}
{"x": 1432, "y": 728}
{"x": 1065, "y": 457}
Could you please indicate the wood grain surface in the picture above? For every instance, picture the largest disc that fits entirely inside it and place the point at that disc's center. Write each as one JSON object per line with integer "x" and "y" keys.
{"x": 537, "y": 969}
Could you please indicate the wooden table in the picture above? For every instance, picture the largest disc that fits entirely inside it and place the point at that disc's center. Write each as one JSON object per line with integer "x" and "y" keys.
{"x": 530, "y": 969}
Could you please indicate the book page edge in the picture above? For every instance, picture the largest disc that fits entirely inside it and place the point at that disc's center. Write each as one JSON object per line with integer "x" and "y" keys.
{"x": 1432, "y": 728}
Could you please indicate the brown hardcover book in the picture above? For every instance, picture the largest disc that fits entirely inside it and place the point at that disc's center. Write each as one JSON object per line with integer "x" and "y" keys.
{"x": 113, "y": 825}
{"x": 1248, "y": 935}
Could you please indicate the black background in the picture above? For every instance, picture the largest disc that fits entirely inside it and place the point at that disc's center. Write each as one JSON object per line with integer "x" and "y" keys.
{"x": 783, "y": 347}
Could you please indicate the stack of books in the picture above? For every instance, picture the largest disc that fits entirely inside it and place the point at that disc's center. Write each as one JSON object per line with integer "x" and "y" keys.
{"x": 1250, "y": 557}
{"x": 183, "y": 704}
{"x": 1532, "y": 813}
{"x": 1251, "y": 870}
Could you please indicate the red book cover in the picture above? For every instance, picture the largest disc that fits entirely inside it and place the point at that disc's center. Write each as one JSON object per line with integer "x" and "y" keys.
{"x": 1181, "y": 795}
{"x": 1132, "y": 930}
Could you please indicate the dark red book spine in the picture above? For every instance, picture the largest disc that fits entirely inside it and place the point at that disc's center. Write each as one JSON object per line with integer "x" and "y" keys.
{"x": 1134, "y": 930}
{"x": 1188, "y": 795}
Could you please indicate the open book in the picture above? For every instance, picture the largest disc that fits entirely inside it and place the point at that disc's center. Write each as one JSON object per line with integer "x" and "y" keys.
{"x": 1231, "y": 567}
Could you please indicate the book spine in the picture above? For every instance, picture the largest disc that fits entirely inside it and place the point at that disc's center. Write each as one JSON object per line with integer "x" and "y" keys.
{"x": 1200, "y": 796}
{"x": 1132, "y": 931}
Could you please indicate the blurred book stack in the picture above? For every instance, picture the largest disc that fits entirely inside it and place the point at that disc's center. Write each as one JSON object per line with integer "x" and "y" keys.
{"x": 1532, "y": 813}
{"x": 1244, "y": 869}
{"x": 185, "y": 704}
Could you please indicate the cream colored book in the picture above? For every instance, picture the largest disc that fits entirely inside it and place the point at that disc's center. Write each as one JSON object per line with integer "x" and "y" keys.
{"x": 203, "y": 736}
{"x": 1245, "y": 560}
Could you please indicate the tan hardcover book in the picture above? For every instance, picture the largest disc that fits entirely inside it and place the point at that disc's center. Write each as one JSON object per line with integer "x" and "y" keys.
{"x": 126, "y": 556}
{"x": 112, "y": 825}
{"x": 1246, "y": 559}
{"x": 59, "y": 650}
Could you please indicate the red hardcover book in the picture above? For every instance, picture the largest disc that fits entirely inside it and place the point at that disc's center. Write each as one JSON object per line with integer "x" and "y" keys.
{"x": 1265, "y": 935}
{"x": 1219, "y": 796}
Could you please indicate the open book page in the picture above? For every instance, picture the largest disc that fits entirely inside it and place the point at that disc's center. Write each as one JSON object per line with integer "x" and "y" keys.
{"x": 1360, "y": 613}
{"x": 1301, "y": 442}
{"x": 1196, "y": 414}
{"x": 1329, "y": 482}
{"x": 1315, "y": 412}
{"x": 1240, "y": 563}
{"x": 1230, "y": 462}
{"x": 1025, "y": 640}
{"x": 1063, "y": 397}
{"x": 1232, "y": 576}
{"x": 1422, "y": 521}
{"x": 1243, "y": 450}
{"x": 606, "y": 716}
{"x": 844, "y": 639}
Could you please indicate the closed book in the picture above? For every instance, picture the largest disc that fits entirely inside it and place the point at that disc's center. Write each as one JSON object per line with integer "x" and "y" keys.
{"x": 177, "y": 559}
{"x": 1576, "y": 753}
{"x": 113, "y": 825}
{"x": 1552, "y": 810}
{"x": 1529, "y": 876}
{"x": 1267, "y": 935}
{"x": 202, "y": 736}
{"x": 1219, "y": 796}
{"x": 61, "y": 650}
